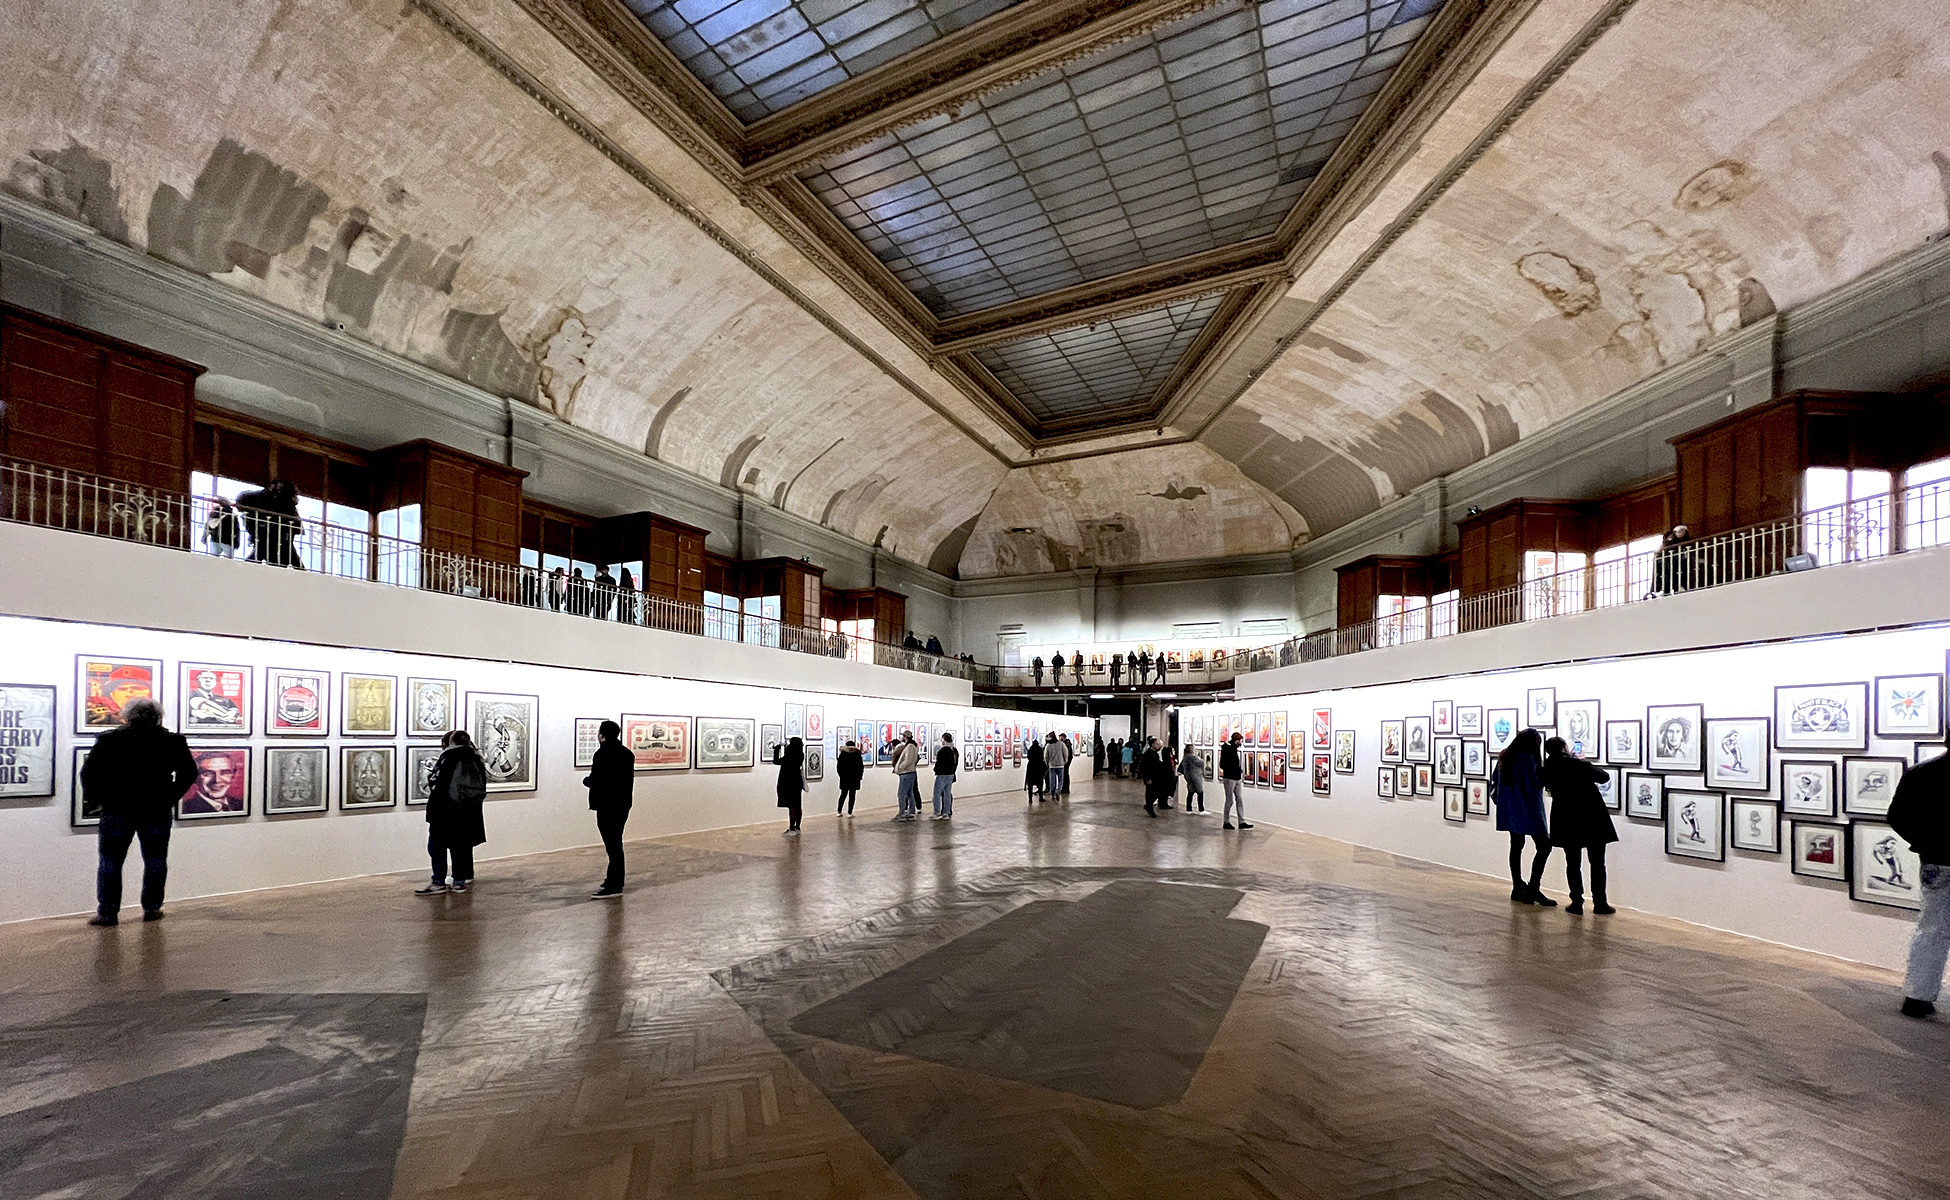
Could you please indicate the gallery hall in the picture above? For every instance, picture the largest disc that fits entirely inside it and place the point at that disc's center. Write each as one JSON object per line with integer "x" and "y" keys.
{"x": 974, "y": 599}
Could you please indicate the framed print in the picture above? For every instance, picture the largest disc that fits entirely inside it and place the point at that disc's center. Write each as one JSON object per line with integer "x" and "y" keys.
{"x": 588, "y": 737}
{"x": 1323, "y": 728}
{"x": 924, "y": 737}
{"x": 1476, "y": 797}
{"x": 815, "y": 764}
{"x": 863, "y": 738}
{"x": 367, "y": 707}
{"x": 1925, "y": 751}
{"x": 816, "y": 722}
{"x": 1610, "y": 793}
{"x": 222, "y": 786}
{"x": 366, "y": 778}
{"x": 1502, "y": 728}
{"x": 294, "y": 702}
{"x": 1442, "y": 714}
{"x": 1263, "y": 723}
{"x": 1448, "y": 761}
{"x": 1404, "y": 780}
{"x": 771, "y": 742}
{"x": 1540, "y": 707}
{"x": 1624, "y": 743}
{"x": 103, "y": 687}
{"x": 1756, "y": 825}
{"x": 658, "y": 743}
{"x": 1645, "y": 796}
{"x": 1869, "y": 784}
{"x": 795, "y": 721}
{"x": 1808, "y": 788}
{"x": 1297, "y": 745}
{"x": 1737, "y": 755}
{"x": 1279, "y": 730}
{"x": 213, "y": 700}
{"x": 1455, "y": 805}
{"x": 1696, "y": 825}
{"x": 1577, "y": 724}
{"x": 1384, "y": 783}
{"x": 1249, "y": 767}
{"x": 1882, "y": 869}
{"x": 421, "y": 762}
{"x": 1391, "y": 741}
{"x": 1343, "y": 752}
{"x": 26, "y": 740}
{"x": 1418, "y": 746}
{"x": 1469, "y": 720}
{"x": 1817, "y": 851}
{"x": 727, "y": 742}
{"x": 1424, "y": 779}
{"x": 1476, "y": 758}
{"x": 430, "y": 707}
{"x": 1674, "y": 733}
{"x": 1225, "y": 727}
{"x": 886, "y": 741}
{"x": 1822, "y": 716}
{"x": 81, "y": 813}
{"x": 504, "y": 730}
{"x": 1277, "y": 768}
{"x": 1264, "y": 769}
{"x": 1909, "y": 706}
{"x": 296, "y": 779}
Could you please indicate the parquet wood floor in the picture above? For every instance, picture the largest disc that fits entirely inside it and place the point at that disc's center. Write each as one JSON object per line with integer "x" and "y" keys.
{"x": 1051, "y": 1003}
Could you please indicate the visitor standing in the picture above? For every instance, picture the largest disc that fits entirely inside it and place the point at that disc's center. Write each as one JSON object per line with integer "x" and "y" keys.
{"x": 1672, "y": 566}
{"x": 1151, "y": 768}
{"x": 134, "y": 775}
{"x": 222, "y": 534}
{"x": 611, "y": 782}
{"x": 1578, "y": 822}
{"x": 1056, "y": 669}
{"x": 1116, "y": 669}
{"x": 907, "y": 760}
{"x": 851, "y": 767}
{"x": 558, "y": 589}
{"x": 578, "y": 593}
{"x": 1069, "y": 756}
{"x": 1920, "y": 815}
{"x": 1055, "y": 758}
{"x": 626, "y": 598}
{"x": 1230, "y": 772}
{"x": 1076, "y": 667}
{"x": 1193, "y": 769}
{"x": 1143, "y": 675}
{"x": 1036, "y": 669}
{"x": 792, "y": 782}
{"x": 271, "y": 516}
{"x": 1515, "y": 782}
{"x": 605, "y": 593}
{"x": 454, "y": 820}
{"x": 1035, "y": 776}
{"x": 947, "y": 760}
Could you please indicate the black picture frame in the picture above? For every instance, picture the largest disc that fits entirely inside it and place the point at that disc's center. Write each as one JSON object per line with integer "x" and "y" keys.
{"x": 1624, "y": 743}
{"x": 1798, "y": 801}
{"x": 1855, "y": 732}
{"x": 1384, "y": 785}
{"x": 1411, "y": 727}
{"x": 1448, "y": 761}
{"x": 1469, "y": 720}
{"x": 1861, "y": 771}
{"x": 1740, "y": 813}
{"x": 1860, "y": 864}
{"x": 79, "y": 816}
{"x": 1476, "y": 758}
{"x": 1759, "y": 777}
{"x": 1670, "y": 748}
{"x": 275, "y": 758}
{"x": 1455, "y": 805}
{"x": 1884, "y": 689}
{"x": 1636, "y": 807}
{"x": 1690, "y": 812}
{"x": 1833, "y": 837}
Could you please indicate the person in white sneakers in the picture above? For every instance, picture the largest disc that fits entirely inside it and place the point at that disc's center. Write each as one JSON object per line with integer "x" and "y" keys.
{"x": 946, "y": 761}
{"x": 907, "y": 760}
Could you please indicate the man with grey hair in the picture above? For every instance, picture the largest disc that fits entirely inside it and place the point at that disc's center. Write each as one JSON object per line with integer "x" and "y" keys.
{"x": 135, "y": 775}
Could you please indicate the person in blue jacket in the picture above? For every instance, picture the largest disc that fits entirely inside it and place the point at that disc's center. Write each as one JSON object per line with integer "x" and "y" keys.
{"x": 1517, "y": 783}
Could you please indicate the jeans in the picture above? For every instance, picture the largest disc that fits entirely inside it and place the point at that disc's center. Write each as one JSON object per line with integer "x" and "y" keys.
{"x": 1055, "y": 785}
{"x": 609, "y": 823}
{"x": 112, "y": 840}
{"x": 1574, "y": 875}
{"x": 944, "y": 795}
{"x": 910, "y": 795}
{"x": 1931, "y": 944}
{"x": 1231, "y": 789}
{"x": 463, "y": 857}
{"x": 1194, "y": 794}
{"x": 847, "y": 796}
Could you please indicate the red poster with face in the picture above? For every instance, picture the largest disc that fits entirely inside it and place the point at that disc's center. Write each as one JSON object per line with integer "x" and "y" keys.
{"x": 222, "y": 782}
{"x": 214, "y": 699}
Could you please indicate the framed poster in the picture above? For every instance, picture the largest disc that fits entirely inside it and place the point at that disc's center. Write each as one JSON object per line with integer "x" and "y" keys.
{"x": 1264, "y": 770}
{"x": 1249, "y": 767}
{"x": 1540, "y": 707}
{"x": 1279, "y": 729}
{"x": 1925, "y": 751}
{"x": 1476, "y": 797}
{"x": 222, "y": 786}
{"x": 795, "y": 720}
{"x": 366, "y": 778}
{"x": 421, "y": 761}
{"x": 1696, "y": 825}
{"x": 1297, "y": 745}
{"x": 26, "y": 740}
{"x": 1276, "y": 765}
{"x": 213, "y": 700}
{"x": 1384, "y": 784}
{"x": 1417, "y": 746}
{"x": 726, "y": 742}
{"x": 658, "y": 743}
{"x": 296, "y": 779}
{"x": 1391, "y": 741}
{"x": 504, "y": 727}
{"x": 1343, "y": 752}
{"x": 294, "y": 702}
{"x": 863, "y": 735}
{"x": 1455, "y": 805}
{"x": 430, "y": 707}
{"x": 1756, "y": 825}
{"x": 1443, "y": 716}
{"x": 1263, "y": 723}
{"x": 1476, "y": 758}
{"x": 923, "y": 737}
{"x": 367, "y": 705}
{"x": 1737, "y": 755}
{"x": 588, "y": 737}
{"x": 1869, "y": 784}
{"x": 1469, "y": 720}
{"x": 1808, "y": 788}
{"x": 1674, "y": 732}
{"x": 1817, "y": 851}
{"x": 1448, "y": 761}
{"x": 1822, "y": 716}
{"x": 80, "y": 812}
{"x": 1404, "y": 780}
{"x": 1609, "y": 793}
{"x": 1503, "y": 728}
{"x": 1424, "y": 779}
{"x": 1323, "y": 728}
{"x": 1577, "y": 724}
{"x": 1909, "y": 706}
{"x": 815, "y": 764}
{"x": 1882, "y": 869}
{"x": 886, "y": 741}
{"x": 816, "y": 722}
{"x": 104, "y": 686}
{"x": 1624, "y": 743}
{"x": 771, "y": 743}
{"x": 1645, "y": 796}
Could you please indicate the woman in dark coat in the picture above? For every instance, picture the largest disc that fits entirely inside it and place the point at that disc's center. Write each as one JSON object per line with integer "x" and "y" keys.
{"x": 1579, "y": 821}
{"x": 454, "y": 821}
{"x": 850, "y": 766}
{"x": 792, "y": 781}
{"x": 1035, "y": 774}
{"x": 1516, "y": 783}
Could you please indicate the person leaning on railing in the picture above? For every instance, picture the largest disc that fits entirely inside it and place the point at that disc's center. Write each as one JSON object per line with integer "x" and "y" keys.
{"x": 1675, "y": 567}
{"x": 271, "y": 518}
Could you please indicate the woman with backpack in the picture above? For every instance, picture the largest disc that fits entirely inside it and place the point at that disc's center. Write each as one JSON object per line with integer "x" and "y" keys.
{"x": 454, "y": 821}
{"x": 1516, "y": 782}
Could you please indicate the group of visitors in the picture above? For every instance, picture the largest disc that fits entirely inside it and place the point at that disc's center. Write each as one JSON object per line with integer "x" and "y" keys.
{"x": 268, "y": 515}
{"x": 1140, "y": 663}
{"x": 601, "y": 596}
{"x": 1578, "y": 823}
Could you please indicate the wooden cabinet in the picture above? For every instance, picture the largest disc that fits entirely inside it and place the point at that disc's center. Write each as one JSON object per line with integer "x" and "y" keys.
{"x": 1490, "y": 546}
{"x": 468, "y": 505}
{"x": 1361, "y": 583}
{"x": 671, "y": 553}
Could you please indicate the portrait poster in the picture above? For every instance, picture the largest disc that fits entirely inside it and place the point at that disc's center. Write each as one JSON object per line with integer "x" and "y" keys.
{"x": 1822, "y": 716}
{"x": 1391, "y": 741}
{"x": 1418, "y": 745}
{"x": 725, "y": 742}
{"x": 421, "y": 762}
{"x": 1448, "y": 761}
{"x": 1424, "y": 779}
{"x": 1869, "y": 784}
{"x": 1624, "y": 743}
{"x": 294, "y": 702}
{"x": 1882, "y": 869}
{"x": 1808, "y": 788}
{"x": 887, "y": 741}
{"x": 26, "y": 740}
{"x": 815, "y": 722}
{"x": 1323, "y": 728}
{"x": 222, "y": 784}
{"x": 1673, "y": 732}
{"x": 105, "y": 686}
{"x": 81, "y": 811}
{"x": 1297, "y": 744}
{"x": 1817, "y": 851}
{"x": 1443, "y": 714}
{"x": 504, "y": 727}
{"x": 1455, "y": 805}
{"x": 657, "y": 743}
{"x": 795, "y": 720}
{"x": 588, "y": 737}
{"x": 1696, "y": 825}
{"x": 1249, "y": 767}
{"x": 1645, "y": 796}
{"x": 368, "y": 706}
{"x": 213, "y": 700}
{"x": 1469, "y": 720}
{"x": 366, "y": 778}
{"x": 1279, "y": 729}
{"x": 1476, "y": 797}
{"x": 1737, "y": 754}
{"x": 296, "y": 779}
{"x": 1540, "y": 707}
{"x": 1909, "y": 706}
{"x": 924, "y": 738}
{"x": 1404, "y": 780}
{"x": 1384, "y": 784}
{"x": 863, "y": 735}
{"x": 771, "y": 742}
{"x": 1343, "y": 752}
{"x": 430, "y": 706}
{"x": 1502, "y": 728}
{"x": 1476, "y": 758}
{"x": 1755, "y": 825}
{"x": 1577, "y": 724}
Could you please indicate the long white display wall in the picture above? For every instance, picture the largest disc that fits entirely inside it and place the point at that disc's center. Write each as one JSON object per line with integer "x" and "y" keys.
{"x": 1748, "y": 784}
{"x": 313, "y": 755}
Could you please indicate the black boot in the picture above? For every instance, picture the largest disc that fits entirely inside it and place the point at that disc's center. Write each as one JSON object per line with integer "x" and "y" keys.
{"x": 1599, "y": 906}
{"x": 1520, "y": 893}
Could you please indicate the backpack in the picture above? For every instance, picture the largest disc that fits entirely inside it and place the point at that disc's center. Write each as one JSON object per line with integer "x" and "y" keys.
{"x": 469, "y": 782}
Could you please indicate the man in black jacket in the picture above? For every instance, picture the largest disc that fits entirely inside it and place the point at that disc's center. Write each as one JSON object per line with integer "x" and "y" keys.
{"x": 611, "y": 779}
{"x": 1150, "y": 768}
{"x": 1230, "y": 772}
{"x": 1920, "y": 815}
{"x": 135, "y": 775}
{"x": 947, "y": 760}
